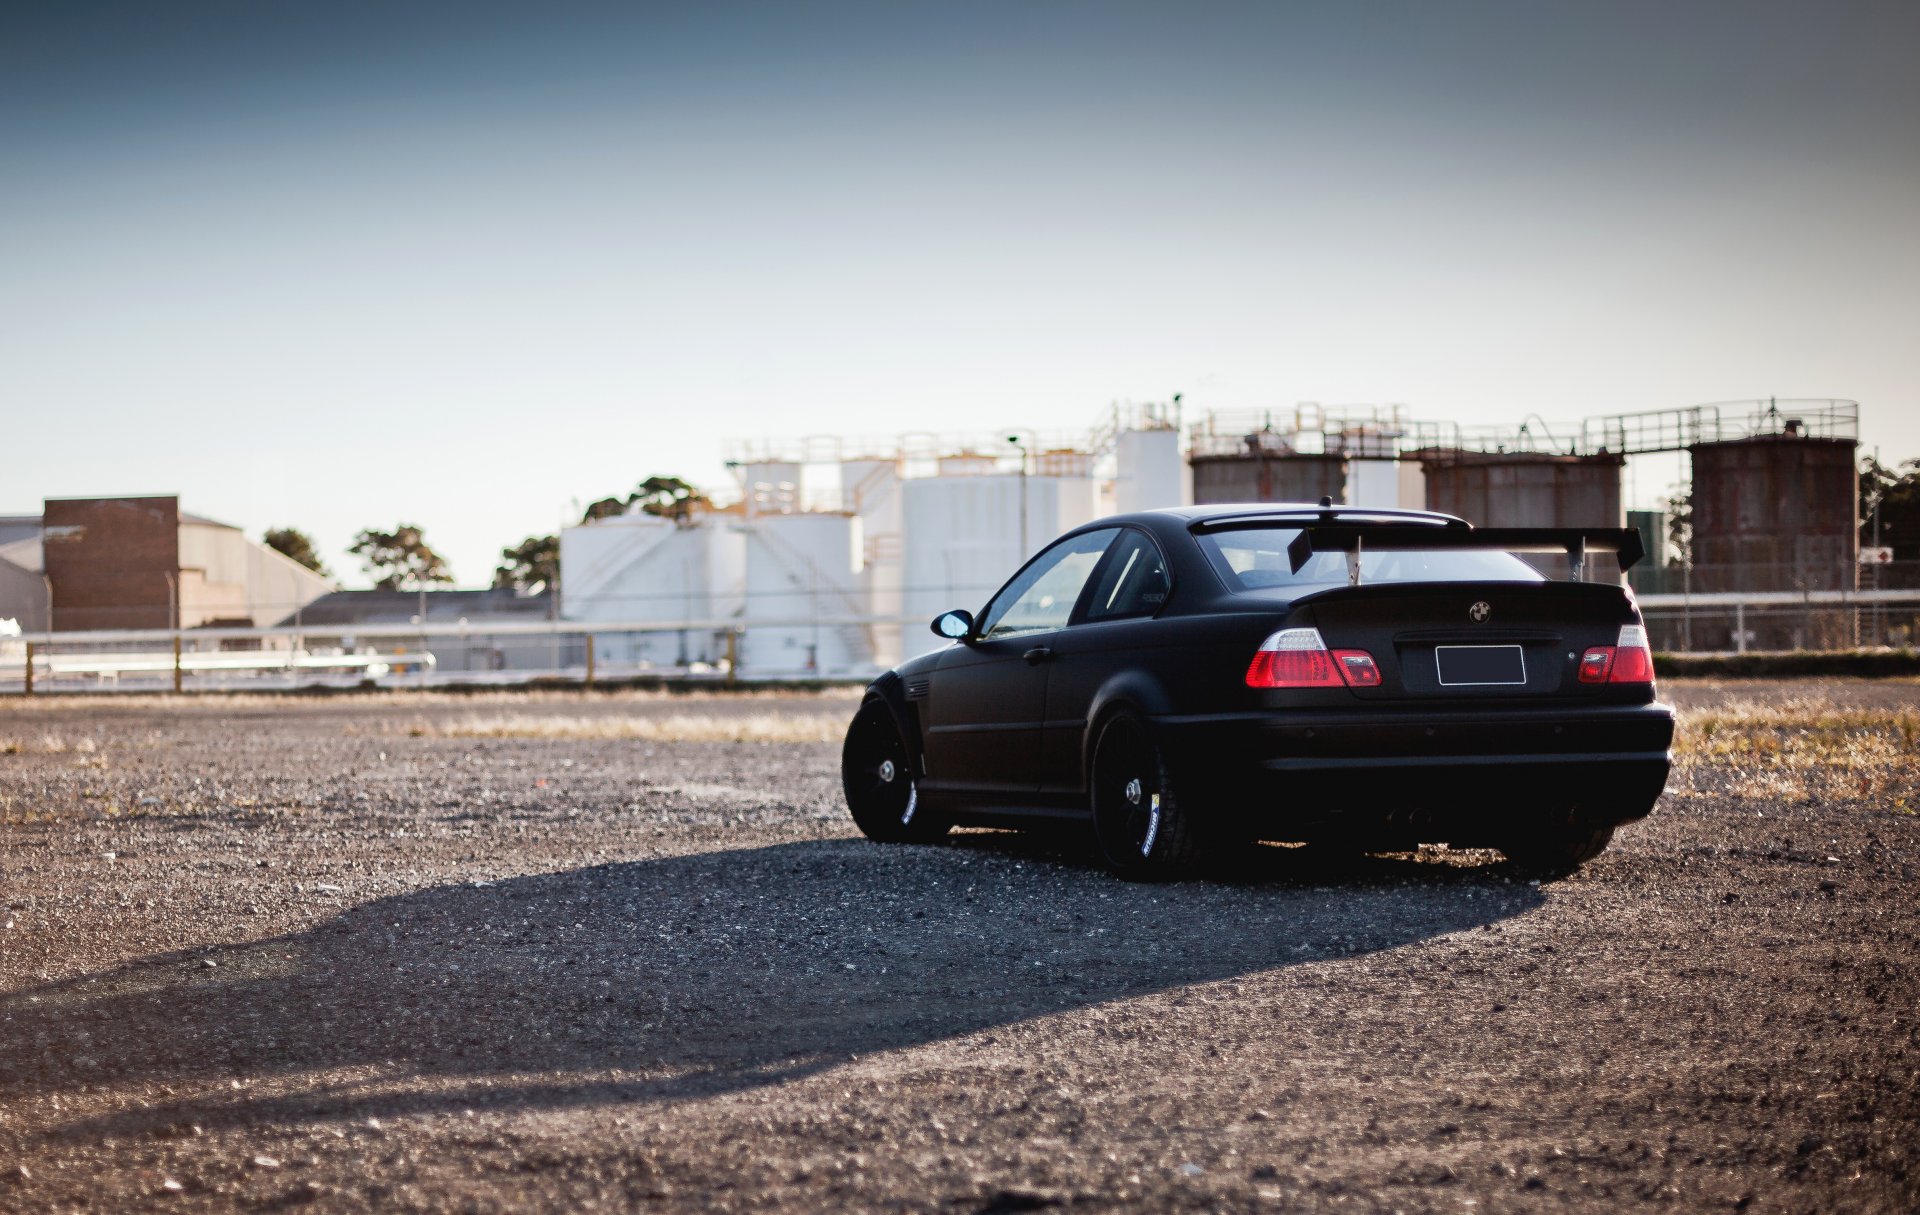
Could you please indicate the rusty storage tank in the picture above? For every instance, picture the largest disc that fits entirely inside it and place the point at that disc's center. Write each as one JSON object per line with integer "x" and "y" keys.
{"x": 1775, "y": 513}
{"x": 1524, "y": 488}
{"x": 1263, "y": 471}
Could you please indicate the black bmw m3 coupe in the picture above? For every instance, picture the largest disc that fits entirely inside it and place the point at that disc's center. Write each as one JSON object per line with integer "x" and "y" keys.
{"x": 1186, "y": 679}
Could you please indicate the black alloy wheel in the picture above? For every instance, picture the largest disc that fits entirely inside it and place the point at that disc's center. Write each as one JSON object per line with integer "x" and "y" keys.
{"x": 1143, "y": 830}
{"x": 877, "y": 775}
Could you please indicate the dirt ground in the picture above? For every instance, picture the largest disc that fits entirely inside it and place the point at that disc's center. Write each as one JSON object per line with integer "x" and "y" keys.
{"x": 624, "y": 952}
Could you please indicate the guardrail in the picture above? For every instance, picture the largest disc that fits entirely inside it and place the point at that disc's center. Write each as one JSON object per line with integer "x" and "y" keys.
{"x": 712, "y": 650}
{"x": 1739, "y": 621}
{"x": 401, "y": 655}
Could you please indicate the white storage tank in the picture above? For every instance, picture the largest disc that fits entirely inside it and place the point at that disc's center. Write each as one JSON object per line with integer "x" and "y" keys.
{"x": 640, "y": 569}
{"x": 1373, "y": 483}
{"x": 1413, "y": 485}
{"x": 1062, "y": 462}
{"x": 968, "y": 464}
{"x": 964, "y": 538}
{"x": 1148, "y": 470}
{"x": 870, "y": 489}
{"x": 803, "y": 567}
{"x": 771, "y": 486}
{"x": 1392, "y": 484}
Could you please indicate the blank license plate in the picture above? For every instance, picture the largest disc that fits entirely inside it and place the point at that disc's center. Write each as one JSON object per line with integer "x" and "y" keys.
{"x": 1480, "y": 665}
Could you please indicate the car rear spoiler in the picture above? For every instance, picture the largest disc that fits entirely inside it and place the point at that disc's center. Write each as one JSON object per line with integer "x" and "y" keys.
{"x": 1575, "y": 542}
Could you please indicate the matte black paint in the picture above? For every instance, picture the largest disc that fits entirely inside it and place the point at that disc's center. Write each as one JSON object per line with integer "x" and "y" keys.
{"x": 1003, "y": 735}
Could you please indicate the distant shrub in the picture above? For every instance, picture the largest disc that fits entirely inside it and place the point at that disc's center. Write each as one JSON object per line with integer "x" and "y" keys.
{"x": 1867, "y": 664}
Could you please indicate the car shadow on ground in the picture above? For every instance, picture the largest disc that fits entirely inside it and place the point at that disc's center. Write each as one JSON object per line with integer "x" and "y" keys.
{"x": 1254, "y": 864}
{"x": 682, "y": 976}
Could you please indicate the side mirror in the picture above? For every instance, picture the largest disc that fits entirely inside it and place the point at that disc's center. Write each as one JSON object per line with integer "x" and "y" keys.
{"x": 956, "y": 625}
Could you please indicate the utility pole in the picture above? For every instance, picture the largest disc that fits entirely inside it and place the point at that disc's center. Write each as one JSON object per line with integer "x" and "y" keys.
{"x": 1878, "y": 638}
{"x": 1022, "y": 449}
{"x": 1876, "y": 500}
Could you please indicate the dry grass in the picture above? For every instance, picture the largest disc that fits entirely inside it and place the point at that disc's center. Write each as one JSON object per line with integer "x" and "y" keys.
{"x": 47, "y": 744}
{"x": 785, "y": 727}
{"x": 1800, "y": 748}
{"x": 424, "y": 698}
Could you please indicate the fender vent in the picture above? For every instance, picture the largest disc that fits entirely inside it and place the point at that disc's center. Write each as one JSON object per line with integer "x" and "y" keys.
{"x": 917, "y": 688}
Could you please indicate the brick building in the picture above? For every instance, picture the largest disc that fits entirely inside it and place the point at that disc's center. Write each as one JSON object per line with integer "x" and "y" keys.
{"x": 142, "y": 563}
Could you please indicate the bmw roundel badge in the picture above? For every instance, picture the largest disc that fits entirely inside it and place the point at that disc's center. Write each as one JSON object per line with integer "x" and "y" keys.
{"x": 1480, "y": 611}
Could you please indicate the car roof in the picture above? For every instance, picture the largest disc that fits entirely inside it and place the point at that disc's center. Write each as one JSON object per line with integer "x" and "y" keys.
{"x": 1291, "y": 510}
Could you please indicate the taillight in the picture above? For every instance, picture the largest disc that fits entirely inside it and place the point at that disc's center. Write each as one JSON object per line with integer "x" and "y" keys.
{"x": 1633, "y": 660}
{"x": 1596, "y": 664}
{"x": 1629, "y": 660}
{"x": 1358, "y": 667}
{"x": 1293, "y": 658}
{"x": 1299, "y": 658}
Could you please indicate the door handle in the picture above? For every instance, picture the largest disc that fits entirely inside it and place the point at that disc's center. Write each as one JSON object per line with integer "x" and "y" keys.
{"x": 1037, "y": 655}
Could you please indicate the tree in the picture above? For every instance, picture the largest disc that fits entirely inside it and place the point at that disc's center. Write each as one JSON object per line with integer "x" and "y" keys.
{"x": 1679, "y": 508}
{"x": 1895, "y": 494}
{"x": 663, "y": 497}
{"x": 669, "y": 497}
{"x": 532, "y": 564}
{"x": 296, "y": 545}
{"x": 399, "y": 559}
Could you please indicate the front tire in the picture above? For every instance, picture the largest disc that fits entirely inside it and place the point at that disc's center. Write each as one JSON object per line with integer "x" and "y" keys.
{"x": 876, "y": 773}
{"x": 1144, "y": 832}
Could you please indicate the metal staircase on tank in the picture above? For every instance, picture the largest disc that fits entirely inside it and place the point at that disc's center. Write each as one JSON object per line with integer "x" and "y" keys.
{"x": 856, "y": 640}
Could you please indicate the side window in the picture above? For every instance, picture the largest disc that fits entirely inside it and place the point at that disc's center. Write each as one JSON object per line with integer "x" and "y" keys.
{"x": 1041, "y": 598}
{"x": 1134, "y": 583}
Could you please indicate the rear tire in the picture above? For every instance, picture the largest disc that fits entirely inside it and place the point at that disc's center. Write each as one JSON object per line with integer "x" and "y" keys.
{"x": 1557, "y": 850}
{"x": 876, "y": 773}
{"x": 1144, "y": 832}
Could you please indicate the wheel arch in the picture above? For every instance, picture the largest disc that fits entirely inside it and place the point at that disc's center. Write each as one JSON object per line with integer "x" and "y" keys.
{"x": 1130, "y": 691}
{"x": 890, "y": 693}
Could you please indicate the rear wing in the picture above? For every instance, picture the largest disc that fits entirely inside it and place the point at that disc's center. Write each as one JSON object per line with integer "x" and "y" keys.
{"x": 1575, "y": 542}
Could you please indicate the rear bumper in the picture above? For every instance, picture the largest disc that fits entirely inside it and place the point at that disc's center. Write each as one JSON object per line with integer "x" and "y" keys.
{"x": 1458, "y": 776}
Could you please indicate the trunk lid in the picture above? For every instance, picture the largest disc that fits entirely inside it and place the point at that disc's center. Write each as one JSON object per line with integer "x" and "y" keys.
{"x": 1471, "y": 640}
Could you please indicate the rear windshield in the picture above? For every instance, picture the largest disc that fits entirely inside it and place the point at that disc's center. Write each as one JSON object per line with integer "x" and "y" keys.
{"x": 1255, "y": 559}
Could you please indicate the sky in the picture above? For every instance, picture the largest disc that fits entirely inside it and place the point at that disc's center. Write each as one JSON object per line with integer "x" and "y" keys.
{"x": 469, "y": 265}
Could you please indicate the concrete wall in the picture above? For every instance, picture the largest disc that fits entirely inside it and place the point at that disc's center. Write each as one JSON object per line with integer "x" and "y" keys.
{"x": 228, "y": 579}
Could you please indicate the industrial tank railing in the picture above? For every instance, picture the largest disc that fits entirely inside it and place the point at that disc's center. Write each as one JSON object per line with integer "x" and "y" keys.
{"x": 1311, "y": 429}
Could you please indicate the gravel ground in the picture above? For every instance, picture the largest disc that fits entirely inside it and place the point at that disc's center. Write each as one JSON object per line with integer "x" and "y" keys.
{"x": 433, "y": 953}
